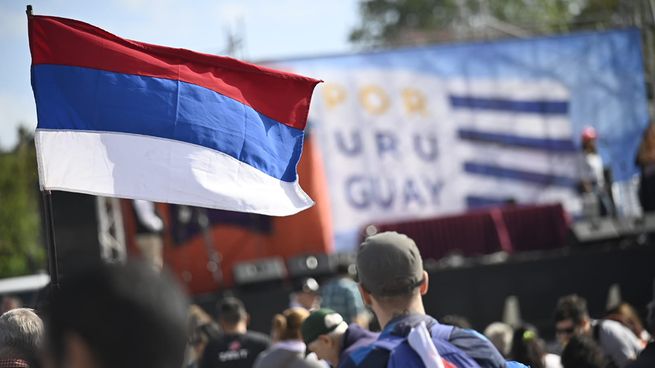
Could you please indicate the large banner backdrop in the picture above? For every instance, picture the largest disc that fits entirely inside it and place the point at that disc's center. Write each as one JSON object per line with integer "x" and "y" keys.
{"x": 425, "y": 131}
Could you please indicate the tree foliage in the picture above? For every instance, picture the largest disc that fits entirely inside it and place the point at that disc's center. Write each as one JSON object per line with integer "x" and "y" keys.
{"x": 402, "y": 22}
{"x": 21, "y": 250}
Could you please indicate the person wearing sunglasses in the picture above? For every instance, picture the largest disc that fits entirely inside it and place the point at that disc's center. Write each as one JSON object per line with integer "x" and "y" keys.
{"x": 616, "y": 341}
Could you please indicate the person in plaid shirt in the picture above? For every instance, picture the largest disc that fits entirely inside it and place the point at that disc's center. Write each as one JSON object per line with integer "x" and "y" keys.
{"x": 341, "y": 294}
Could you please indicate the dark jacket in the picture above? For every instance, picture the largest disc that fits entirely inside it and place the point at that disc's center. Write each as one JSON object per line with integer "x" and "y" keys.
{"x": 354, "y": 338}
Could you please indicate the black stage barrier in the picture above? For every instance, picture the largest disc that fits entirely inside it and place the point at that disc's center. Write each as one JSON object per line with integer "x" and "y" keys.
{"x": 478, "y": 292}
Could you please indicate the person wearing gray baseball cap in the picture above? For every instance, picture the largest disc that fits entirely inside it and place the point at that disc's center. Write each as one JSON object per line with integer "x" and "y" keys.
{"x": 392, "y": 282}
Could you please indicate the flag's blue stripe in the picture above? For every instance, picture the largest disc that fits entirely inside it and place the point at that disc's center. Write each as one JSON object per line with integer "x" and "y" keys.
{"x": 498, "y": 104}
{"x": 519, "y": 175}
{"x": 75, "y": 98}
{"x": 546, "y": 144}
{"x": 473, "y": 201}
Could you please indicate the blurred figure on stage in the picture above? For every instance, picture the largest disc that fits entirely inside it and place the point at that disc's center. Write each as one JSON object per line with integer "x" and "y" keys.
{"x": 646, "y": 162}
{"x": 235, "y": 346}
{"x": 305, "y": 294}
{"x": 594, "y": 185}
{"x": 149, "y": 227}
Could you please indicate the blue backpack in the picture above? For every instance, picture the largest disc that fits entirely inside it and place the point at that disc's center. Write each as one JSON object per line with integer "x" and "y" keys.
{"x": 402, "y": 355}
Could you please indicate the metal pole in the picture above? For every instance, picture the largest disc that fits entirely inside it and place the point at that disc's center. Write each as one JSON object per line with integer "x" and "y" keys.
{"x": 53, "y": 267}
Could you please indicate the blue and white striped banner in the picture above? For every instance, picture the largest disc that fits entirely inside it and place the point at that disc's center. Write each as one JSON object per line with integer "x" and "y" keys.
{"x": 433, "y": 130}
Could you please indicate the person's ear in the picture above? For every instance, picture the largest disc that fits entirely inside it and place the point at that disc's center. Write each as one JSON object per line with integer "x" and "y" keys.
{"x": 247, "y": 319}
{"x": 423, "y": 289}
{"x": 366, "y": 296}
{"x": 327, "y": 340}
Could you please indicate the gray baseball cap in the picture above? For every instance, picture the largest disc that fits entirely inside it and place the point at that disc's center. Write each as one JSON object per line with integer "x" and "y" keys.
{"x": 389, "y": 264}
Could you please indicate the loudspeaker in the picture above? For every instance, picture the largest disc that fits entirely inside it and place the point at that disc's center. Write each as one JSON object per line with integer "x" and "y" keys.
{"x": 310, "y": 265}
{"x": 263, "y": 270}
{"x": 76, "y": 231}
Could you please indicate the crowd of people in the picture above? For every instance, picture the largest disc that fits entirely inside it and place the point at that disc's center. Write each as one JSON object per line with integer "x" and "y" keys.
{"x": 133, "y": 315}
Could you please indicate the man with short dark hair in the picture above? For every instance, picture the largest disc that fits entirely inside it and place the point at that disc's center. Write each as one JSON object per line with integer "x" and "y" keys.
{"x": 127, "y": 316}
{"x": 21, "y": 332}
{"x": 618, "y": 343}
{"x": 235, "y": 347}
{"x": 392, "y": 281}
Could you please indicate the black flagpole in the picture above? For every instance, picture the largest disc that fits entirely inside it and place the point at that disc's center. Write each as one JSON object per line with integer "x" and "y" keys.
{"x": 48, "y": 221}
{"x": 48, "y": 218}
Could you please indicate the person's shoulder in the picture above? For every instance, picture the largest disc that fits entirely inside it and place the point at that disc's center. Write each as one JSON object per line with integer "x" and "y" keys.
{"x": 257, "y": 338}
{"x": 365, "y": 356}
{"x": 608, "y": 325}
{"x": 307, "y": 363}
{"x": 477, "y": 346}
{"x": 617, "y": 330}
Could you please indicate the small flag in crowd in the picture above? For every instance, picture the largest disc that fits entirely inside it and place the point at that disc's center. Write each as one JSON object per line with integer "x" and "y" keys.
{"x": 128, "y": 119}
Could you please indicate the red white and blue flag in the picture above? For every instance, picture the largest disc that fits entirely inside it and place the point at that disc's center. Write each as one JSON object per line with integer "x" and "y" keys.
{"x": 128, "y": 119}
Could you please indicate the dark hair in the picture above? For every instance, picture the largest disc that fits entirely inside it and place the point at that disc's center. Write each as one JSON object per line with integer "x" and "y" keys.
{"x": 527, "y": 347}
{"x": 128, "y": 315}
{"x": 231, "y": 310}
{"x": 571, "y": 307}
{"x": 583, "y": 352}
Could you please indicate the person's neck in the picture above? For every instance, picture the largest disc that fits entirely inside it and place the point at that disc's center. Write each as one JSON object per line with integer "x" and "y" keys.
{"x": 385, "y": 315}
{"x": 234, "y": 329}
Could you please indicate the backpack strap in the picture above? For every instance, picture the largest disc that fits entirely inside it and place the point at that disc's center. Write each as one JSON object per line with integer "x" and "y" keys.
{"x": 389, "y": 342}
{"x": 596, "y": 331}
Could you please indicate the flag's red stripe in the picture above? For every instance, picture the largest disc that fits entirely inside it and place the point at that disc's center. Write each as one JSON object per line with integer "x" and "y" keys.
{"x": 281, "y": 96}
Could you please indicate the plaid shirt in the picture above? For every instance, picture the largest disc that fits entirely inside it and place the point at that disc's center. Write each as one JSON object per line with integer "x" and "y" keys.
{"x": 342, "y": 296}
{"x": 13, "y": 363}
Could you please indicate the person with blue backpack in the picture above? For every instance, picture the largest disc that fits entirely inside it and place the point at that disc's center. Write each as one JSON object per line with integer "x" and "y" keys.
{"x": 392, "y": 282}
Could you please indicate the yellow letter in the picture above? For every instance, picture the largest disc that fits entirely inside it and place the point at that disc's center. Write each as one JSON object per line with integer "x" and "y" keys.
{"x": 414, "y": 101}
{"x": 333, "y": 94}
{"x": 374, "y": 99}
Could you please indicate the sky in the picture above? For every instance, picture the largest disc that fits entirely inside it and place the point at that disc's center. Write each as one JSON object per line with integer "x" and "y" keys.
{"x": 271, "y": 30}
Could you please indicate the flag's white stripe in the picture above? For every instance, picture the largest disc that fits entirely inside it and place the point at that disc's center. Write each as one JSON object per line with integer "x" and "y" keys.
{"x": 160, "y": 170}
{"x": 519, "y": 124}
{"x": 549, "y": 163}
